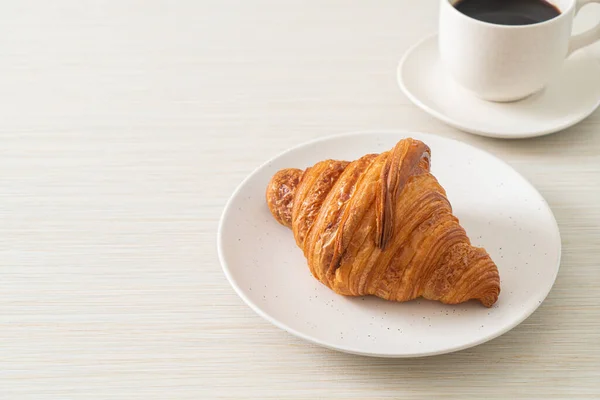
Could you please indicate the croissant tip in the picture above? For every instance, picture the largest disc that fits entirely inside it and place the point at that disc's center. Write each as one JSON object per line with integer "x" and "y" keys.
{"x": 490, "y": 299}
{"x": 487, "y": 303}
{"x": 280, "y": 194}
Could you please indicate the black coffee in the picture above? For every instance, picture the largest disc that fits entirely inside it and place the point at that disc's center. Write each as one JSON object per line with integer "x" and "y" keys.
{"x": 508, "y": 12}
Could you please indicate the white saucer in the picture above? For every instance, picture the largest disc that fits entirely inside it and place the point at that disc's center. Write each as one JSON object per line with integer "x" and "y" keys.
{"x": 498, "y": 208}
{"x": 573, "y": 96}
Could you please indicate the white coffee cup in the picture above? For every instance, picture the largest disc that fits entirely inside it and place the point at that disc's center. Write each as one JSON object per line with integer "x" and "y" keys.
{"x": 508, "y": 62}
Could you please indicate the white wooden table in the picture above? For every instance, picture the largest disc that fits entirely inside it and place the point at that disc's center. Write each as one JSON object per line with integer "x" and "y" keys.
{"x": 124, "y": 128}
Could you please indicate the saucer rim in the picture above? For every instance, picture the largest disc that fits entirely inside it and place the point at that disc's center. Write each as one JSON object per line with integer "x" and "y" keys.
{"x": 458, "y": 125}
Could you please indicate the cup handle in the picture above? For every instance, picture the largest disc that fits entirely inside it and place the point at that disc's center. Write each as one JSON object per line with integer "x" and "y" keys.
{"x": 588, "y": 37}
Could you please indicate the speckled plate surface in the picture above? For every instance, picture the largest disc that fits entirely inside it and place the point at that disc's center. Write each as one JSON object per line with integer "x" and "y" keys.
{"x": 498, "y": 208}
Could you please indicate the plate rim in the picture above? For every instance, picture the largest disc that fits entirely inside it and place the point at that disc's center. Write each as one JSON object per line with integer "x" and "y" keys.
{"x": 350, "y": 350}
{"x": 458, "y": 125}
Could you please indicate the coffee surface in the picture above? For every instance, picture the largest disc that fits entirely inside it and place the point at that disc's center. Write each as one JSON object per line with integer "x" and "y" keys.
{"x": 508, "y": 12}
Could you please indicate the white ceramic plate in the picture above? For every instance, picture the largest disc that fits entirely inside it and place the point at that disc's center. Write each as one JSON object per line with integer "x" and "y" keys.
{"x": 498, "y": 208}
{"x": 567, "y": 100}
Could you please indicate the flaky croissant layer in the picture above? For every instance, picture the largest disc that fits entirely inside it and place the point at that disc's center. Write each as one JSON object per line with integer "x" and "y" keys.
{"x": 382, "y": 225}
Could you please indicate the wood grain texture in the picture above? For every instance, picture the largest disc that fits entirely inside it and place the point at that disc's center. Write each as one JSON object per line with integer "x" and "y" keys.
{"x": 124, "y": 128}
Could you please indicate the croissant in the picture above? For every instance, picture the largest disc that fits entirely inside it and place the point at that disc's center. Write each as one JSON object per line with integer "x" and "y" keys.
{"x": 382, "y": 225}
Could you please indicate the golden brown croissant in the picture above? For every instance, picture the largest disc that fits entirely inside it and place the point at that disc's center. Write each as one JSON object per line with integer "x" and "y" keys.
{"x": 382, "y": 225}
